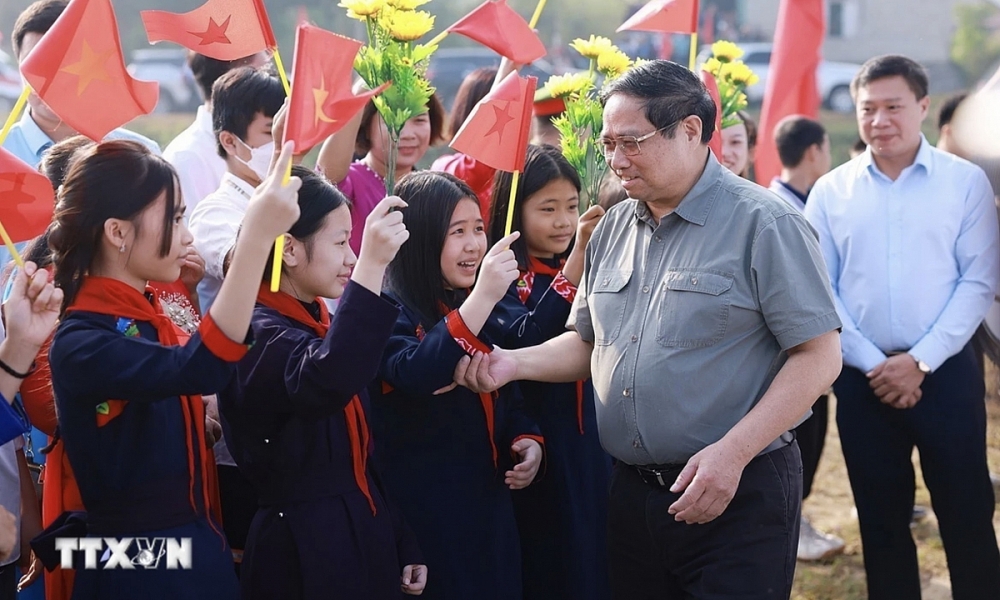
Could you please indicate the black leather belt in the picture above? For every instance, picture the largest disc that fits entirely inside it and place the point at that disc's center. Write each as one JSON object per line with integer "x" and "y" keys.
{"x": 663, "y": 476}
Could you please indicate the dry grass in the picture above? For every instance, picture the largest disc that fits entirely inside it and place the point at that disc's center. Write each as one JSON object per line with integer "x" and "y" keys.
{"x": 830, "y": 509}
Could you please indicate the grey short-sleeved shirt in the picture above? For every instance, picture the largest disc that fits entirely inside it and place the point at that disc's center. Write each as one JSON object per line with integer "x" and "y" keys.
{"x": 690, "y": 319}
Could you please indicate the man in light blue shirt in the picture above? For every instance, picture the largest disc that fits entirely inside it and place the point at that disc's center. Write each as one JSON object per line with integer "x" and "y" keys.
{"x": 910, "y": 238}
{"x": 39, "y": 127}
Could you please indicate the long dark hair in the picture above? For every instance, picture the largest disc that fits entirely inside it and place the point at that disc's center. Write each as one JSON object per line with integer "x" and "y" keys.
{"x": 414, "y": 276}
{"x": 317, "y": 199}
{"x": 55, "y": 165}
{"x": 543, "y": 165}
{"x": 111, "y": 180}
{"x": 475, "y": 85}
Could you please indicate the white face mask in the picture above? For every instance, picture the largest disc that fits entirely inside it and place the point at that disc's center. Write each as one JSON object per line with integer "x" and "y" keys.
{"x": 260, "y": 158}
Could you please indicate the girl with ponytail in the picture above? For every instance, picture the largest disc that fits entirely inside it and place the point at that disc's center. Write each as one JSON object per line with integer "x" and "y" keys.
{"x": 127, "y": 393}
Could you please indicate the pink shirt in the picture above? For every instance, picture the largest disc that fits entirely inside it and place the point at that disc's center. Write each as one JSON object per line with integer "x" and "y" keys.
{"x": 364, "y": 188}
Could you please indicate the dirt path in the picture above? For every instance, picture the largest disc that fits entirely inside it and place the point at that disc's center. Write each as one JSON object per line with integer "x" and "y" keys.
{"x": 831, "y": 509}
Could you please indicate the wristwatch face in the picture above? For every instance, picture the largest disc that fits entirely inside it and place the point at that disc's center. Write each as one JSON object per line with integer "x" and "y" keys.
{"x": 924, "y": 367}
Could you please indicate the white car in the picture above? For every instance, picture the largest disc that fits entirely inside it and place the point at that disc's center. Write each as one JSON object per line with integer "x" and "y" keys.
{"x": 833, "y": 78}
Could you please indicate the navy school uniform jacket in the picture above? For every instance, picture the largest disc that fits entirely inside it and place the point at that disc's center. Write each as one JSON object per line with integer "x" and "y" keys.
{"x": 443, "y": 458}
{"x": 135, "y": 452}
{"x": 562, "y": 517}
{"x": 316, "y": 534}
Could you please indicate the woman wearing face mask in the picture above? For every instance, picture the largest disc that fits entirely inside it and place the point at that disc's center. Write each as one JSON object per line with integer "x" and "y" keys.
{"x": 363, "y": 181}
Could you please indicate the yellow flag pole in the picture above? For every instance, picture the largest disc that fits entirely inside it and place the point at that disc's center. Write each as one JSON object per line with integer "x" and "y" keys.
{"x": 10, "y": 247}
{"x": 538, "y": 14}
{"x": 15, "y": 113}
{"x": 437, "y": 39}
{"x": 694, "y": 50}
{"x": 510, "y": 203}
{"x": 279, "y": 242}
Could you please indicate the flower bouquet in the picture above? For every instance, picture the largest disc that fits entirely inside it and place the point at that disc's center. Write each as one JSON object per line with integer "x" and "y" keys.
{"x": 580, "y": 124}
{"x": 390, "y": 56}
{"x": 732, "y": 76}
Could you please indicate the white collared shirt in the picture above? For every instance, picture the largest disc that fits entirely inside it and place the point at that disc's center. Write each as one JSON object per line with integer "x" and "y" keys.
{"x": 214, "y": 224}
{"x": 786, "y": 194}
{"x": 914, "y": 262}
{"x": 195, "y": 156}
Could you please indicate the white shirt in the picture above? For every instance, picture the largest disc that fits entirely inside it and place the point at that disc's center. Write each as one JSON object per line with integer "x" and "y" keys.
{"x": 195, "y": 156}
{"x": 786, "y": 194}
{"x": 214, "y": 224}
{"x": 913, "y": 262}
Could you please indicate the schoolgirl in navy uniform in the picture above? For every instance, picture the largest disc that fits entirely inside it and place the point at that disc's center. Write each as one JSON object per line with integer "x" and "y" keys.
{"x": 296, "y": 415}
{"x": 562, "y": 517}
{"x": 450, "y": 456}
{"x": 127, "y": 395}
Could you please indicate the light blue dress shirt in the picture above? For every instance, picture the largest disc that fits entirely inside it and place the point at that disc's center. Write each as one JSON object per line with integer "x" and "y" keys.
{"x": 28, "y": 142}
{"x": 914, "y": 263}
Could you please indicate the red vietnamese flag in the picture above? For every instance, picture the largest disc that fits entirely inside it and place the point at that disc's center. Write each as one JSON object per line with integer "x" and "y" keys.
{"x": 77, "y": 69}
{"x": 220, "y": 29}
{"x": 791, "y": 78}
{"x": 496, "y": 133}
{"x": 322, "y": 102}
{"x": 713, "y": 90}
{"x": 497, "y": 26}
{"x": 668, "y": 16}
{"x": 28, "y": 201}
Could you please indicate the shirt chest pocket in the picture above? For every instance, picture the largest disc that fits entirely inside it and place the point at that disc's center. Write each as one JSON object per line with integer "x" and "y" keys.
{"x": 608, "y": 301}
{"x": 694, "y": 309}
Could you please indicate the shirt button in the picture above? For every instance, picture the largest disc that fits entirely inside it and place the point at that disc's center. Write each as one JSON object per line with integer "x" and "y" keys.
{"x": 656, "y": 238}
{"x": 281, "y": 515}
{"x": 605, "y": 282}
{"x": 635, "y": 339}
{"x": 636, "y": 443}
{"x": 267, "y": 441}
{"x": 645, "y": 289}
{"x": 626, "y": 392}
{"x": 694, "y": 281}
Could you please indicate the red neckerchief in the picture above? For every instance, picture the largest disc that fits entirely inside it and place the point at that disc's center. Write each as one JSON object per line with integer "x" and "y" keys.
{"x": 524, "y": 286}
{"x": 354, "y": 412}
{"x": 527, "y": 280}
{"x": 112, "y": 297}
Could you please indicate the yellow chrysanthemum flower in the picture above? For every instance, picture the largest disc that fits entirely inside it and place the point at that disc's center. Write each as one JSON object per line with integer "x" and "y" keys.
{"x": 726, "y": 51}
{"x": 406, "y": 4}
{"x": 362, "y": 9}
{"x": 407, "y": 26}
{"x": 738, "y": 73}
{"x": 613, "y": 62}
{"x": 592, "y": 48}
{"x": 640, "y": 61}
{"x": 713, "y": 66}
{"x": 562, "y": 86}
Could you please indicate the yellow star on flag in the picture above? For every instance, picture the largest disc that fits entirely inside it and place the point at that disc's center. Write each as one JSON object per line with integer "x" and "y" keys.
{"x": 319, "y": 97}
{"x": 89, "y": 67}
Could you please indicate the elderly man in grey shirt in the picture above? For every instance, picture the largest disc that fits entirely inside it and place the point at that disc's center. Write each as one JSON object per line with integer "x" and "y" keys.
{"x": 706, "y": 320}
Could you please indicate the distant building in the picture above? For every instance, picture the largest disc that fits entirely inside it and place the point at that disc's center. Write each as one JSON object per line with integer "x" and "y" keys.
{"x": 860, "y": 29}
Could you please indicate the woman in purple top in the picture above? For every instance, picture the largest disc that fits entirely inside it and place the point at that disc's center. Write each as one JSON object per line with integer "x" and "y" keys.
{"x": 363, "y": 181}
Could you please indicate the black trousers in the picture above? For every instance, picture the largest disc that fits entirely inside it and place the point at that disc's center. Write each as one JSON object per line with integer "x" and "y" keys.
{"x": 811, "y": 435}
{"x": 8, "y": 582}
{"x": 239, "y": 505}
{"x": 948, "y": 427}
{"x": 748, "y": 552}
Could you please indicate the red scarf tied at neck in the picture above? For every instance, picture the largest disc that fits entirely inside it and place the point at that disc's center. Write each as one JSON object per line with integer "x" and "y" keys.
{"x": 354, "y": 412}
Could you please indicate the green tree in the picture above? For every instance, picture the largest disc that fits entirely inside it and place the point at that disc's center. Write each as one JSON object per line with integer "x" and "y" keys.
{"x": 975, "y": 46}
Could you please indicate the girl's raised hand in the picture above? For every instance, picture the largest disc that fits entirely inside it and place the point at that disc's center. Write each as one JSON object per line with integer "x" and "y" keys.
{"x": 274, "y": 207}
{"x": 31, "y": 311}
{"x": 384, "y": 233}
{"x": 588, "y": 222}
{"x": 498, "y": 271}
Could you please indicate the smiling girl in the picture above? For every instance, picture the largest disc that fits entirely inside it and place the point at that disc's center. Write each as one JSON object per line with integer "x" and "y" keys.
{"x": 296, "y": 413}
{"x": 451, "y": 456}
{"x": 127, "y": 394}
{"x": 561, "y": 516}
